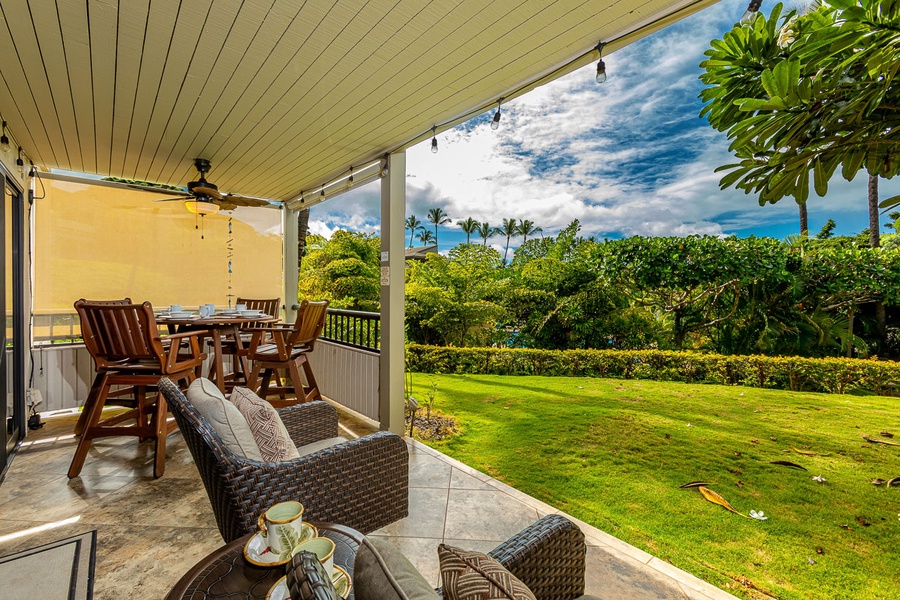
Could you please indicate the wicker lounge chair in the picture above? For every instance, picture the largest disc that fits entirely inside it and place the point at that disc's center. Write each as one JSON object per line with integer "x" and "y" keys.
{"x": 360, "y": 483}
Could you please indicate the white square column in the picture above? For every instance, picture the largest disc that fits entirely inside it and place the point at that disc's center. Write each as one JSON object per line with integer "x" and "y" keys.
{"x": 291, "y": 280}
{"x": 391, "y": 404}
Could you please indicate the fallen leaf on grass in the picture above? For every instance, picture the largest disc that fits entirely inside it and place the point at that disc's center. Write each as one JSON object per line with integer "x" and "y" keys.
{"x": 785, "y": 463}
{"x": 717, "y": 499}
{"x": 845, "y": 526}
{"x": 886, "y": 434}
{"x": 759, "y": 516}
{"x": 740, "y": 483}
{"x": 894, "y": 482}
{"x": 862, "y": 521}
{"x": 804, "y": 452}
{"x": 773, "y": 438}
{"x": 754, "y": 441}
{"x": 668, "y": 436}
{"x": 820, "y": 479}
{"x": 876, "y": 441}
{"x": 694, "y": 484}
{"x": 735, "y": 472}
{"x": 810, "y": 561}
{"x": 878, "y": 481}
{"x": 737, "y": 453}
{"x": 820, "y": 550}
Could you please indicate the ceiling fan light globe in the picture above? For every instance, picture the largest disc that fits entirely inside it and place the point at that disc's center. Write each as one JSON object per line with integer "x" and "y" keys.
{"x": 201, "y": 207}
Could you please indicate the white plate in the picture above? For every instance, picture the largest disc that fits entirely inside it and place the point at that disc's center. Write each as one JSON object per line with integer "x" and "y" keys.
{"x": 257, "y": 552}
{"x": 180, "y": 315}
{"x": 251, "y": 313}
{"x": 339, "y": 578}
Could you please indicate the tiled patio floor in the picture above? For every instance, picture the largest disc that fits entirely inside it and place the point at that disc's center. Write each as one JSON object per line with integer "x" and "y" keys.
{"x": 150, "y": 532}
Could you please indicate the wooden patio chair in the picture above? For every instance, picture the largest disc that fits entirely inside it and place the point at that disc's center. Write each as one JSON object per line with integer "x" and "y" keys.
{"x": 288, "y": 349}
{"x": 269, "y": 306}
{"x": 124, "y": 341}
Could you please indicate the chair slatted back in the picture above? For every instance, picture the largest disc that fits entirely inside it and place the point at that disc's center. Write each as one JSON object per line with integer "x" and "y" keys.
{"x": 269, "y": 306}
{"x": 309, "y": 324}
{"x": 116, "y": 332}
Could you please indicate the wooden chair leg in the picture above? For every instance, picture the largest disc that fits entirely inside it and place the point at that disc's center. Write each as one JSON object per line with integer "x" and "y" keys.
{"x": 158, "y": 422}
{"x": 99, "y": 381}
{"x": 312, "y": 392}
{"x": 297, "y": 381}
{"x": 264, "y": 386}
{"x": 84, "y": 444}
{"x": 254, "y": 377}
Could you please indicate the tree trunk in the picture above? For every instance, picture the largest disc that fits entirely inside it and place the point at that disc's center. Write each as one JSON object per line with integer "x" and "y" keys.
{"x": 850, "y": 316}
{"x": 804, "y": 220}
{"x": 302, "y": 230}
{"x": 874, "y": 220}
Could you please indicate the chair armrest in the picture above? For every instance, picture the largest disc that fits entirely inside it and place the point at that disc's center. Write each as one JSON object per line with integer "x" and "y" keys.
{"x": 310, "y": 422}
{"x": 184, "y": 334}
{"x": 548, "y": 556}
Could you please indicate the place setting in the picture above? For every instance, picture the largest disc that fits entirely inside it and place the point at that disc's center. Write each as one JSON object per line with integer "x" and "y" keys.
{"x": 284, "y": 535}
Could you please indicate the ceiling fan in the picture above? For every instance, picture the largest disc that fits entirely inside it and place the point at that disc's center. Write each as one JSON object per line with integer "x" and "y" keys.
{"x": 204, "y": 198}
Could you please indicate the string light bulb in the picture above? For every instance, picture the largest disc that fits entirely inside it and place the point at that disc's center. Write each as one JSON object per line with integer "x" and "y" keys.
{"x": 434, "y": 147}
{"x": 20, "y": 164}
{"x": 495, "y": 124}
{"x": 32, "y": 171}
{"x": 601, "y": 66}
{"x": 4, "y": 141}
{"x": 752, "y": 12}
{"x": 322, "y": 193}
{"x": 350, "y": 179}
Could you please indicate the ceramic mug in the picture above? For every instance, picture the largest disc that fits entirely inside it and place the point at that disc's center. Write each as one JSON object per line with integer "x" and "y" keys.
{"x": 212, "y": 309}
{"x": 282, "y": 526}
{"x": 240, "y": 307}
{"x": 323, "y": 548}
{"x": 175, "y": 308}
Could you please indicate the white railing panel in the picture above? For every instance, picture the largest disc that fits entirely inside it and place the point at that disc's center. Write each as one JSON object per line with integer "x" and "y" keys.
{"x": 348, "y": 376}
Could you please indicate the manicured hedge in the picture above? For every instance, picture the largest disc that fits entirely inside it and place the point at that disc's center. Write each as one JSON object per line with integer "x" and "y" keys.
{"x": 832, "y": 375}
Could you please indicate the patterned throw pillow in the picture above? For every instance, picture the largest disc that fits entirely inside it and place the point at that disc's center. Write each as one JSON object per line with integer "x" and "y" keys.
{"x": 468, "y": 575}
{"x": 275, "y": 444}
{"x": 307, "y": 580}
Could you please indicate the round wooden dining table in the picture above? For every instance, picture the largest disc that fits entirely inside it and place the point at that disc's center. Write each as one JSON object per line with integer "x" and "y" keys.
{"x": 217, "y": 326}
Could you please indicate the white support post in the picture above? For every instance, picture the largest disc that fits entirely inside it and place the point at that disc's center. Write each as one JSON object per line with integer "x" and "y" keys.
{"x": 289, "y": 262}
{"x": 393, "y": 312}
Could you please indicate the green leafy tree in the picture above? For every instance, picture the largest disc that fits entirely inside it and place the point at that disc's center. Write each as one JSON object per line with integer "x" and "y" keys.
{"x": 343, "y": 269}
{"x": 414, "y": 225}
{"x": 486, "y": 231}
{"x": 509, "y": 228}
{"x": 827, "y": 230}
{"x": 802, "y": 95}
{"x": 437, "y": 216}
{"x": 469, "y": 226}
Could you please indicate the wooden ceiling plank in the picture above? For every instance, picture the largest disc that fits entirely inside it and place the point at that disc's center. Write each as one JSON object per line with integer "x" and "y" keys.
{"x": 148, "y": 56}
{"x": 77, "y": 49}
{"x": 21, "y": 112}
{"x": 131, "y": 52}
{"x": 18, "y": 17}
{"x": 229, "y": 73}
{"x": 49, "y": 33}
{"x": 196, "y": 44}
{"x": 252, "y": 76}
{"x": 102, "y": 19}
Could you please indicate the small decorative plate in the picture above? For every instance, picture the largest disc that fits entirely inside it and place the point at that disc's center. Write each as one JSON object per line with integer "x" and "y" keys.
{"x": 339, "y": 578}
{"x": 257, "y": 552}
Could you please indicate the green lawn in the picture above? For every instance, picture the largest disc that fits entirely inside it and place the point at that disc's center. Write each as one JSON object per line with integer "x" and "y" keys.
{"x": 613, "y": 453}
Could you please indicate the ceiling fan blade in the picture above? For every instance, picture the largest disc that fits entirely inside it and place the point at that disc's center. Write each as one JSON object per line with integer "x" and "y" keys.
{"x": 245, "y": 200}
{"x": 157, "y": 190}
{"x": 210, "y": 191}
{"x": 224, "y": 204}
{"x": 179, "y": 199}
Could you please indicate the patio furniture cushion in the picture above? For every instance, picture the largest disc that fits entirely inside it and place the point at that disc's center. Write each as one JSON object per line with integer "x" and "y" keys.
{"x": 307, "y": 580}
{"x": 381, "y": 572}
{"x": 224, "y": 417}
{"x": 272, "y": 437}
{"x": 320, "y": 445}
{"x": 469, "y": 575}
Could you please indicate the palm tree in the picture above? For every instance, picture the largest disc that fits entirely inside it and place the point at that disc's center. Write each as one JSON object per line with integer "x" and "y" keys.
{"x": 414, "y": 225}
{"x": 509, "y": 229}
{"x": 469, "y": 226}
{"x": 438, "y": 217}
{"x": 527, "y": 228}
{"x": 426, "y": 238}
{"x": 486, "y": 231}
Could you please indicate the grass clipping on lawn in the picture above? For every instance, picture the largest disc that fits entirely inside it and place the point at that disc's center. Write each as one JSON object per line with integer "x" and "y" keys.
{"x": 613, "y": 453}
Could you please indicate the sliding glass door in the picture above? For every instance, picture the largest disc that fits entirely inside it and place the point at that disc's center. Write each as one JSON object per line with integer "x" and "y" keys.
{"x": 12, "y": 338}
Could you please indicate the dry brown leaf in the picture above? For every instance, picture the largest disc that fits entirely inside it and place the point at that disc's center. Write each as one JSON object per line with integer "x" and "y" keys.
{"x": 886, "y": 434}
{"x": 694, "y": 484}
{"x": 845, "y": 526}
{"x": 876, "y": 441}
{"x": 773, "y": 438}
{"x": 804, "y": 452}
{"x": 717, "y": 499}
{"x": 785, "y": 463}
{"x": 878, "y": 481}
{"x": 893, "y": 482}
{"x": 862, "y": 521}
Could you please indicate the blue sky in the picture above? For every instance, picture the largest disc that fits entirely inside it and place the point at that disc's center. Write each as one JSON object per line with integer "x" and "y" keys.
{"x": 629, "y": 157}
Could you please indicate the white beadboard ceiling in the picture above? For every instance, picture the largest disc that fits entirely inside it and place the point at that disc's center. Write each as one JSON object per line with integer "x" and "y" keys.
{"x": 280, "y": 95}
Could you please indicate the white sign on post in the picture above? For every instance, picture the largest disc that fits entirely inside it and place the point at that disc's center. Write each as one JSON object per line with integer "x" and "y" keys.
{"x": 385, "y": 256}
{"x": 385, "y": 276}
